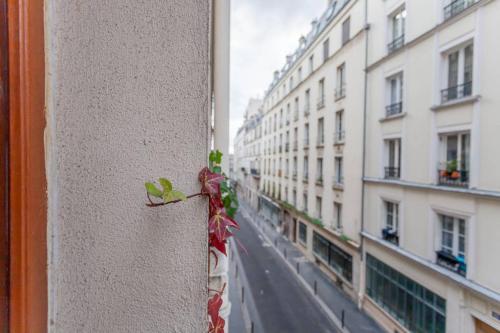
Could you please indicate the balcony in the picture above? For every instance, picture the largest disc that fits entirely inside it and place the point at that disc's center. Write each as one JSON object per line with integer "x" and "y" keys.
{"x": 287, "y": 147}
{"x": 319, "y": 181}
{"x": 392, "y": 173}
{"x": 307, "y": 110}
{"x": 321, "y": 102}
{"x": 390, "y": 235}
{"x": 255, "y": 173}
{"x": 295, "y": 146}
{"x": 456, "y": 7}
{"x": 456, "y": 92}
{"x": 339, "y": 137}
{"x": 449, "y": 261}
{"x": 306, "y": 178}
{"x": 340, "y": 92}
{"x": 320, "y": 142}
{"x": 393, "y": 109}
{"x": 306, "y": 144}
{"x": 338, "y": 183}
{"x": 294, "y": 175}
{"x": 453, "y": 178}
{"x": 396, "y": 44}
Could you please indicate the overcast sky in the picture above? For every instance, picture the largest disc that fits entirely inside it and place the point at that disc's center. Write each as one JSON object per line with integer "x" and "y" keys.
{"x": 263, "y": 32}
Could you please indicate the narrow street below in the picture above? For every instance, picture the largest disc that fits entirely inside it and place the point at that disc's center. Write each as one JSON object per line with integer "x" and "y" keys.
{"x": 282, "y": 303}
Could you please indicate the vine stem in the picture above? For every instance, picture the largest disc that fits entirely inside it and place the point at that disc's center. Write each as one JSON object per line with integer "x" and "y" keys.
{"x": 153, "y": 204}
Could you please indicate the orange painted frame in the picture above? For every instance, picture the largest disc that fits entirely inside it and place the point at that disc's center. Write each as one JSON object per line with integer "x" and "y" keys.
{"x": 28, "y": 188}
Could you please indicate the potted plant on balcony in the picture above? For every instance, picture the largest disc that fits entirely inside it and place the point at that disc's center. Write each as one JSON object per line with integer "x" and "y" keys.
{"x": 452, "y": 169}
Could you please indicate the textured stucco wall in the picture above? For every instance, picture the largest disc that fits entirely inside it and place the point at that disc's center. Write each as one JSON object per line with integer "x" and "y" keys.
{"x": 128, "y": 101}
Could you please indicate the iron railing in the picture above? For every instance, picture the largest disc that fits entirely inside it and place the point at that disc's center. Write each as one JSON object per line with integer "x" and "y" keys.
{"x": 392, "y": 172}
{"x": 456, "y": 92}
{"x": 396, "y": 44}
{"x": 393, "y": 109}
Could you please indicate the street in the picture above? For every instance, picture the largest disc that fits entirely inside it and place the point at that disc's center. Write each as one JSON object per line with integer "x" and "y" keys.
{"x": 282, "y": 303}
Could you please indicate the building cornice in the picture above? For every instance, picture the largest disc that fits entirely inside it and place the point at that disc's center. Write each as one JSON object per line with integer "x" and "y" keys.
{"x": 422, "y": 186}
{"x": 471, "y": 285}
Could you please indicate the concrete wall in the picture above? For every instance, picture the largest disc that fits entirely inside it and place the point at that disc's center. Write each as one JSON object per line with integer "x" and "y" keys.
{"x": 128, "y": 101}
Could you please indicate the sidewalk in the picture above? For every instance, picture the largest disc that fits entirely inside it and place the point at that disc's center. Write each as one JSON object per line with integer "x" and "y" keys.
{"x": 339, "y": 304}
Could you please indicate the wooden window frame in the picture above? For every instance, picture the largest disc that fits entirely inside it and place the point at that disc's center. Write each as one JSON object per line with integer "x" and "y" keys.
{"x": 27, "y": 177}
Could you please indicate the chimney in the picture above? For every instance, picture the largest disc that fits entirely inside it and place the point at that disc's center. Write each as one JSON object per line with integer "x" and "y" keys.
{"x": 329, "y": 3}
{"x": 276, "y": 75}
{"x": 302, "y": 41}
{"x": 314, "y": 23}
{"x": 289, "y": 59}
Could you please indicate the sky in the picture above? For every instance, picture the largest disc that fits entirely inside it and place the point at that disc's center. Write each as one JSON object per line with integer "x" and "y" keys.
{"x": 263, "y": 32}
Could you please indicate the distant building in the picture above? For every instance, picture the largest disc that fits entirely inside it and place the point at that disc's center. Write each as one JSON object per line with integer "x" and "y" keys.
{"x": 379, "y": 137}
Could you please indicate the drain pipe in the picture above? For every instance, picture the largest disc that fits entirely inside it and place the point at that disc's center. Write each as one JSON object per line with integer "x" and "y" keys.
{"x": 218, "y": 277}
{"x": 365, "y": 110}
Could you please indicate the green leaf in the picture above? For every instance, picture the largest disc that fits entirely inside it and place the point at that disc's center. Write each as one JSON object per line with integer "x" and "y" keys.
{"x": 227, "y": 201}
{"x": 178, "y": 195}
{"x": 217, "y": 169}
{"x": 153, "y": 190}
{"x": 166, "y": 184}
{"x": 168, "y": 197}
{"x": 215, "y": 156}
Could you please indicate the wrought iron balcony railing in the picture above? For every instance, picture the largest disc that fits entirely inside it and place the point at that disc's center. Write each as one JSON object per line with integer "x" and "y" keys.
{"x": 456, "y": 7}
{"x": 390, "y": 235}
{"x": 392, "y": 173}
{"x": 396, "y": 44}
{"x": 456, "y": 178}
{"x": 393, "y": 109}
{"x": 449, "y": 261}
{"x": 456, "y": 92}
{"x": 340, "y": 92}
{"x": 339, "y": 137}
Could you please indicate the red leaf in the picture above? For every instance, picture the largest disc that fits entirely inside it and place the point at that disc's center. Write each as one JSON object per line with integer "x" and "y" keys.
{"x": 214, "y": 305}
{"x": 210, "y": 182}
{"x": 221, "y": 246}
{"x": 219, "y": 223}
{"x": 217, "y": 326}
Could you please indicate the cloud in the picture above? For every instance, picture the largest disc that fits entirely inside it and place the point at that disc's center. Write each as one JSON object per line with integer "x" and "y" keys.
{"x": 263, "y": 32}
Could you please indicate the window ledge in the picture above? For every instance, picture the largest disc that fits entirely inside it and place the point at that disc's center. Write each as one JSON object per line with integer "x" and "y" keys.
{"x": 396, "y": 116}
{"x": 339, "y": 143}
{"x": 338, "y": 187}
{"x": 456, "y": 102}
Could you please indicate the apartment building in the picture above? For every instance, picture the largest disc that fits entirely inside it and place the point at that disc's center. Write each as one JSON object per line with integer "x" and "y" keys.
{"x": 312, "y": 127}
{"x": 392, "y": 189}
{"x": 432, "y": 208}
{"x": 247, "y": 147}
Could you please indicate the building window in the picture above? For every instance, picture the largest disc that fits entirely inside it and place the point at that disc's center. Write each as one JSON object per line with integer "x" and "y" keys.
{"x": 291, "y": 85}
{"x": 299, "y": 74}
{"x": 393, "y": 166}
{"x": 321, "y": 93}
{"x": 307, "y": 103}
{"x": 346, "y": 31}
{"x": 340, "y": 89}
{"x": 288, "y": 113}
{"x": 455, "y": 7}
{"x": 395, "y": 96}
{"x": 452, "y": 252}
{"x": 306, "y": 168}
{"x": 294, "y": 198}
{"x": 339, "y": 171}
{"x": 319, "y": 171}
{"x": 321, "y": 132}
{"x": 318, "y": 207}
{"x": 303, "y": 233}
{"x": 311, "y": 64}
{"x": 287, "y": 142}
{"x": 455, "y": 160}
{"x": 337, "y": 214}
{"x": 304, "y": 198}
{"x": 306, "y": 135}
{"x": 281, "y": 118}
{"x": 415, "y": 307}
{"x": 326, "y": 49}
{"x": 336, "y": 258}
{"x": 390, "y": 231}
{"x": 296, "y": 111}
{"x": 397, "y": 23}
{"x": 294, "y": 168}
{"x": 296, "y": 138}
{"x": 459, "y": 74}
{"x": 287, "y": 168}
{"x": 339, "y": 127}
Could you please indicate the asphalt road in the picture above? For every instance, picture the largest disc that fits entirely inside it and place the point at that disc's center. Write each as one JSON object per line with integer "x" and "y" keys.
{"x": 282, "y": 303}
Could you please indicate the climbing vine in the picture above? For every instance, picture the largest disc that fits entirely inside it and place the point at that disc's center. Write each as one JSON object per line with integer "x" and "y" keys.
{"x": 223, "y": 205}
